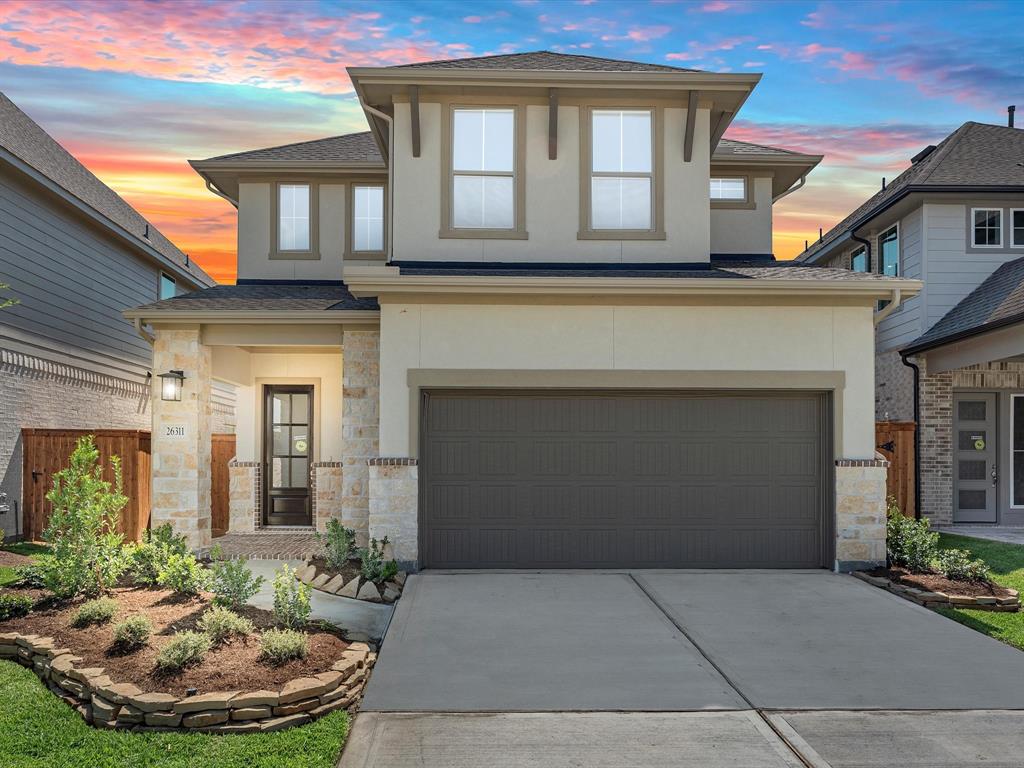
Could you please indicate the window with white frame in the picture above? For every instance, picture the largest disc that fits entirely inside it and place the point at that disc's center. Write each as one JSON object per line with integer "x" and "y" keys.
{"x": 483, "y": 168}
{"x": 1017, "y": 227}
{"x": 367, "y": 217}
{"x": 988, "y": 227}
{"x": 889, "y": 251}
{"x": 859, "y": 260}
{"x": 622, "y": 177}
{"x": 729, "y": 190}
{"x": 293, "y": 217}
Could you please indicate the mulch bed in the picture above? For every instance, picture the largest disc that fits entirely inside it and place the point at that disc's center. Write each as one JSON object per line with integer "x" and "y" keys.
{"x": 936, "y": 582}
{"x": 13, "y": 559}
{"x": 348, "y": 572}
{"x": 236, "y": 665}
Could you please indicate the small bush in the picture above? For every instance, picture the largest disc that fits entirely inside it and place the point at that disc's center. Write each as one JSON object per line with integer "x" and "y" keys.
{"x": 186, "y": 649}
{"x": 29, "y": 576}
{"x": 339, "y": 544}
{"x": 910, "y": 543}
{"x": 231, "y": 581}
{"x": 132, "y": 633}
{"x": 14, "y": 606}
{"x": 219, "y": 624}
{"x": 149, "y": 557}
{"x": 374, "y": 567}
{"x": 280, "y": 645}
{"x": 98, "y": 611}
{"x": 183, "y": 574}
{"x": 956, "y": 564}
{"x": 291, "y": 598}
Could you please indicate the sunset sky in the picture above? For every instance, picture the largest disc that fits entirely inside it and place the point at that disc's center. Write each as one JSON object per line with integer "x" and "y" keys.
{"x": 134, "y": 89}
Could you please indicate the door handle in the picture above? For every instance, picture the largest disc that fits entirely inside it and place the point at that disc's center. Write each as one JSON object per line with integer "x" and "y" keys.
{"x": 995, "y": 475}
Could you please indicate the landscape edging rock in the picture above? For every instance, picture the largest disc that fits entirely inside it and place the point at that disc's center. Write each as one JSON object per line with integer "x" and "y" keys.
{"x": 941, "y": 599}
{"x": 357, "y": 588}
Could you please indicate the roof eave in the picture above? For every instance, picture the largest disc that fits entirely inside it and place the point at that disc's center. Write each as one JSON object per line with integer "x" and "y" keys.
{"x": 243, "y": 166}
{"x": 254, "y": 316}
{"x": 970, "y": 333}
{"x": 426, "y": 76}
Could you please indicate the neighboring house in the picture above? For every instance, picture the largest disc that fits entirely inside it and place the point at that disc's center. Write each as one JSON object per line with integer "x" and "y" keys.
{"x": 75, "y": 255}
{"x": 954, "y": 220}
{"x": 531, "y": 319}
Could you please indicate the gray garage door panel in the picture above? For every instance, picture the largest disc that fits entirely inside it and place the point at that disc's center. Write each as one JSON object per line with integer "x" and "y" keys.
{"x": 589, "y": 480}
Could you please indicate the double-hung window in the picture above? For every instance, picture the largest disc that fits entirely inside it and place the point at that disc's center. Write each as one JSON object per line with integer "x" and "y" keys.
{"x": 859, "y": 260}
{"x": 293, "y": 217}
{"x": 483, "y": 168}
{"x": 889, "y": 252}
{"x": 1017, "y": 227}
{"x": 987, "y": 227}
{"x": 729, "y": 190}
{"x": 622, "y": 170}
{"x": 367, "y": 218}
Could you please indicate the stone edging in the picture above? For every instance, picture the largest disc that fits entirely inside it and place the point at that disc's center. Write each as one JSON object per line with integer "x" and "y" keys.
{"x": 356, "y": 589}
{"x": 941, "y": 599}
{"x": 105, "y": 704}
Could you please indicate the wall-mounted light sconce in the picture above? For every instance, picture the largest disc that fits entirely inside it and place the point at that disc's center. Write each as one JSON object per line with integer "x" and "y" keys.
{"x": 170, "y": 385}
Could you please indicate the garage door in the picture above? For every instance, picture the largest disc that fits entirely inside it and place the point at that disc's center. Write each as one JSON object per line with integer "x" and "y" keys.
{"x": 624, "y": 479}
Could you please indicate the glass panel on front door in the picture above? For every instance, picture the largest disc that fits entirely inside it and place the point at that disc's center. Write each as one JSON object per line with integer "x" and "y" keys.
{"x": 975, "y": 455}
{"x": 287, "y": 444}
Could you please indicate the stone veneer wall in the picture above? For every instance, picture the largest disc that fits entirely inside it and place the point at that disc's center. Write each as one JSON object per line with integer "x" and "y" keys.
{"x": 394, "y": 501}
{"x": 860, "y": 513}
{"x": 244, "y": 498}
{"x": 360, "y": 425}
{"x": 894, "y": 388}
{"x": 327, "y": 478}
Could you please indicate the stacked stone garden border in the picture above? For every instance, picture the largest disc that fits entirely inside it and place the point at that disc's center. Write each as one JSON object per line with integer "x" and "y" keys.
{"x": 105, "y": 704}
{"x": 1009, "y": 604}
{"x": 356, "y": 587}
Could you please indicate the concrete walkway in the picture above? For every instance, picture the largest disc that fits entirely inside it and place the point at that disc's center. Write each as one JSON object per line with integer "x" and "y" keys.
{"x": 1002, "y": 533}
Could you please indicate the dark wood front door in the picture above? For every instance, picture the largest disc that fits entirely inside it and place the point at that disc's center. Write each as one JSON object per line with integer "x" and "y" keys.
{"x": 287, "y": 446}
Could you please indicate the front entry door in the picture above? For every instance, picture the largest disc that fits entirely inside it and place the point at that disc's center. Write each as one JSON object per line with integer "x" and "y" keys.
{"x": 287, "y": 446}
{"x": 974, "y": 458}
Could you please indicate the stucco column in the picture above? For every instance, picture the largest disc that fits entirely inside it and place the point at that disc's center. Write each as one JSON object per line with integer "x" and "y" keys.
{"x": 360, "y": 425}
{"x": 181, "y": 437}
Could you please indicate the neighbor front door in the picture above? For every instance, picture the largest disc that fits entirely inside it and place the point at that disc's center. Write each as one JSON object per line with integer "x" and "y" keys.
{"x": 287, "y": 446}
{"x": 974, "y": 458}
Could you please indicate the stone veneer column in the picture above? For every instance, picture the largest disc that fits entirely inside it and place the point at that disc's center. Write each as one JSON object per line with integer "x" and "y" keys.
{"x": 243, "y": 496}
{"x": 360, "y": 425}
{"x": 394, "y": 498}
{"x": 181, "y": 465}
{"x": 328, "y": 482}
{"x": 936, "y": 442}
{"x": 860, "y": 513}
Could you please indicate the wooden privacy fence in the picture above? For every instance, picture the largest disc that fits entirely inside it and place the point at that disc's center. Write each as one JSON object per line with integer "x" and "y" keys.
{"x": 221, "y": 452}
{"x": 895, "y": 441}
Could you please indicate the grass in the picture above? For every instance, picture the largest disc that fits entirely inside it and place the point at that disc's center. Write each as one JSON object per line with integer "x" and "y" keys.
{"x": 38, "y": 730}
{"x": 7, "y": 575}
{"x": 1007, "y": 564}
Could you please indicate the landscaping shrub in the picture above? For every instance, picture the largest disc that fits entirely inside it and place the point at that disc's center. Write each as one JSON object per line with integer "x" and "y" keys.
{"x": 14, "y": 606}
{"x": 149, "y": 556}
{"x": 374, "y": 567}
{"x": 132, "y": 633}
{"x": 82, "y": 532}
{"x": 281, "y": 645}
{"x": 956, "y": 564}
{"x": 98, "y": 611}
{"x": 291, "y": 598}
{"x": 219, "y": 624}
{"x": 29, "y": 576}
{"x": 183, "y": 574}
{"x": 910, "y": 543}
{"x": 339, "y": 544}
{"x": 231, "y": 581}
{"x": 185, "y": 649}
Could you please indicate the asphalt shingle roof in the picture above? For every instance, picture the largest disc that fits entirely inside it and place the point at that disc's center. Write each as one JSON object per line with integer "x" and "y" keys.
{"x": 545, "y": 61}
{"x": 350, "y": 148}
{"x": 269, "y": 297}
{"x": 737, "y": 149}
{"x": 996, "y": 302}
{"x": 25, "y": 139}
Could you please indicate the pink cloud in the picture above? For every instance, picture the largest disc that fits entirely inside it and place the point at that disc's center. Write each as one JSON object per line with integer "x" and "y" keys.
{"x": 698, "y": 50}
{"x": 638, "y": 34}
{"x": 472, "y": 19}
{"x": 854, "y": 62}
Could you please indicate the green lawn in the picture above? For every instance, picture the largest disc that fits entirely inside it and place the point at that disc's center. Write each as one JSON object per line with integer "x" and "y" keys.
{"x": 38, "y": 730}
{"x": 1007, "y": 564}
{"x": 7, "y": 575}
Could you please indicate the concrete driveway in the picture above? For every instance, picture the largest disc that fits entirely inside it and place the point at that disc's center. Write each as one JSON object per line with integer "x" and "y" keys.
{"x": 749, "y": 666}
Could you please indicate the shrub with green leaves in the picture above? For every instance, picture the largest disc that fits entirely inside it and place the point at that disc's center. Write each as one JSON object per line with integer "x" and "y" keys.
{"x": 98, "y": 611}
{"x": 15, "y": 606}
{"x": 82, "y": 532}
{"x": 957, "y": 565}
{"x": 220, "y": 624}
{"x": 132, "y": 633}
{"x": 185, "y": 649}
{"x": 338, "y": 542}
{"x": 183, "y": 574}
{"x": 149, "y": 556}
{"x": 291, "y": 598}
{"x": 231, "y": 581}
{"x": 374, "y": 567}
{"x": 29, "y": 576}
{"x": 911, "y": 543}
{"x": 280, "y": 645}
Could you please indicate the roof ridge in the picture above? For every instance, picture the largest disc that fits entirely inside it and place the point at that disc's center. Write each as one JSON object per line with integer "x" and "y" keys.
{"x": 943, "y": 151}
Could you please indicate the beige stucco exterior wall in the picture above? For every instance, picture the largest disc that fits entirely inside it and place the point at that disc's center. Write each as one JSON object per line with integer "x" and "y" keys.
{"x": 552, "y": 196}
{"x": 745, "y": 230}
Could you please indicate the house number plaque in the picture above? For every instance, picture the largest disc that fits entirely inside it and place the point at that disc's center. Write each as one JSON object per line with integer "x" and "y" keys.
{"x": 175, "y": 431}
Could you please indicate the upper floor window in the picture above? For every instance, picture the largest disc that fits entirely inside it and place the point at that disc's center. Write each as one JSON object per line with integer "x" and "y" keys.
{"x": 293, "y": 224}
{"x": 483, "y": 168}
{"x": 367, "y": 218}
{"x": 729, "y": 190}
{"x": 988, "y": 227}
{"x": 889, "y": 251}
{"x": 168, "y": 287}
{"x": 622, "y": 169}
{"x": 1017, "y": 227}
{"x": 859, "y": 260}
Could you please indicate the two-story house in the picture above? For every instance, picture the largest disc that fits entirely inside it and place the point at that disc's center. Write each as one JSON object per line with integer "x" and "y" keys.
{"x": 531, "y": 319}
{"x": 950, "y": 358}
{"x": 74, "y": 254}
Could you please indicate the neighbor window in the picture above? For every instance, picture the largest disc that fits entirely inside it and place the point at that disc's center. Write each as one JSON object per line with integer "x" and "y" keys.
{"x": 483, "y": 168}
{"x": 168, "y": 287}
{"x": 988, "y": 227}
{"x": 729, "y": 190}
{"x": 859, "y": 260}
{"x": 293, "y": 217}
{"x": 367, "y": 218}
{"x": 622, "y": 177}
{"x": 889, "y": 252}
{"x": 1017, "y": 227}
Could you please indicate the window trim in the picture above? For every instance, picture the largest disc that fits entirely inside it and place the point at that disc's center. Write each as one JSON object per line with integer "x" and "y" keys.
{"x": 1013, "y": 241}
{"x": 350, "y": 220}
{"x": 313, "y": 252}
{"x": 518, "y": 230}
{"x": 880, "y": 260}
{"x": 161, "y": 274}
{"x": 747, "y": 203}
{"x": 657, "y": 231}
{"x": 867, "y": 260}
{"x": 973, "y": 227}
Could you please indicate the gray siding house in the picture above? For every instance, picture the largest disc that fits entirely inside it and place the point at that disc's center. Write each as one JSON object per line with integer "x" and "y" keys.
{"x": 75, "y": 255}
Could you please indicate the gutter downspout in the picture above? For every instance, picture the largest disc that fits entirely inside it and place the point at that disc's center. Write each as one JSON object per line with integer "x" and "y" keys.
{"x": 917, "y": 434}
{"x": 794, "y": 188}
{"x": 391, "y": 173}
{"x": 892, "y": 306}
{"x": 218, "y": 193}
